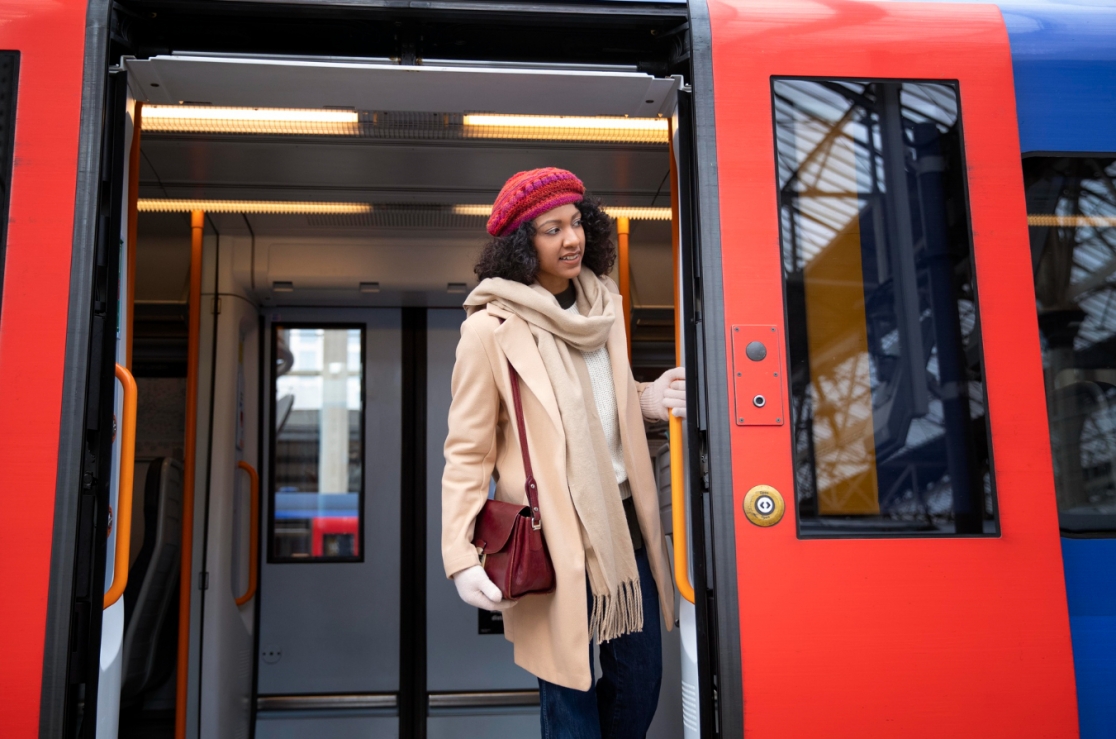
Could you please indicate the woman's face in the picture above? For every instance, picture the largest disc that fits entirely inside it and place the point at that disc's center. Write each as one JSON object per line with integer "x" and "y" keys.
{"x": 560, "y": 244}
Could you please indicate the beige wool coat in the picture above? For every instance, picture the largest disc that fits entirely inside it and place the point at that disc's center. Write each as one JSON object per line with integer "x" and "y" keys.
{"x": 550, "y": 632}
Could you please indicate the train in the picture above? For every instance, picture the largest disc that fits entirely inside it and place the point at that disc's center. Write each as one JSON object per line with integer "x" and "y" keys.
{"x": 236, "y": 236}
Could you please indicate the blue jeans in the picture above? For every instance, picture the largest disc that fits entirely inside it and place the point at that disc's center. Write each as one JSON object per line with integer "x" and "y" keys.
{"x": 623, "y": 702}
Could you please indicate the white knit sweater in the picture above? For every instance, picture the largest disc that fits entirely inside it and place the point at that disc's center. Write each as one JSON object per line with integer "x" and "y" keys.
{"x": 604, "y": 396}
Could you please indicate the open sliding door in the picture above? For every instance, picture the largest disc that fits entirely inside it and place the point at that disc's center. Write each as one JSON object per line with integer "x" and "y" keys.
{"x": 897, "y": 551}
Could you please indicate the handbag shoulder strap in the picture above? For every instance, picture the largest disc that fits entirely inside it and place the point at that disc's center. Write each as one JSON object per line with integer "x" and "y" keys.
{"x": 530, "y": 485}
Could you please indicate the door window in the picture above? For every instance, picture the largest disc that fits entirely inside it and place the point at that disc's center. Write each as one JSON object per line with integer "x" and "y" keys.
{"x": 1071, "y": 206}
{"x": 887, "y": 388}
{"x": 9, "y": 79}
{"x": 317, "y": 479}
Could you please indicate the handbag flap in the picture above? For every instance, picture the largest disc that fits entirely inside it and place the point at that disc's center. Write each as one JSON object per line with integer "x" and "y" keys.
{"x": 495, "y": 524}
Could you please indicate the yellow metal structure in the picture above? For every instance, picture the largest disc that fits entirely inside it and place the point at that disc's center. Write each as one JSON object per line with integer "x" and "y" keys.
{"x": 837, "y": 334}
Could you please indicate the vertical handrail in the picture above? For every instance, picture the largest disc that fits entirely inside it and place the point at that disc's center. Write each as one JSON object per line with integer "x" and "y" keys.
{"x": 254, "y": 536}
{"x": 185, "y": 579}
{"x": 678, "y": 511}
{"x": 677, "y": 466}
{"x": 123, "y": 523}
{"x": 624, "y": 271}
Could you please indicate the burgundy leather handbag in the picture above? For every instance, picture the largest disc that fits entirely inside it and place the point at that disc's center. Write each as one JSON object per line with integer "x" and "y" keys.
{"x": 509, "y": 537}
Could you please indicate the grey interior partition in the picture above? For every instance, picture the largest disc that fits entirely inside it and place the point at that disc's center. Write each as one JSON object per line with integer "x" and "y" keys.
{"x": 476, "y": 689}
{"x": 331, "y": 628}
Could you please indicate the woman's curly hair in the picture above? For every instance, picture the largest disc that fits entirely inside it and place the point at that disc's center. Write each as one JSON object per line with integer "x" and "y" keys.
{"x": 513, "y": 256}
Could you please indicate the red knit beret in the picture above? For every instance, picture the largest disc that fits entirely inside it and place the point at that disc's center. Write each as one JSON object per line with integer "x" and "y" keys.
{"x": 527, "y": 195}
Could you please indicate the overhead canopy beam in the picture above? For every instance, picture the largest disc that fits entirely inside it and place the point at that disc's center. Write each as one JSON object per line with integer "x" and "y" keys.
{"x": 285, "y": 83}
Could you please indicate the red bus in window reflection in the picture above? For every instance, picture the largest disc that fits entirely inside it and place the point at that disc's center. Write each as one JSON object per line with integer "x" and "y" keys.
{"x": 335, "y": 536}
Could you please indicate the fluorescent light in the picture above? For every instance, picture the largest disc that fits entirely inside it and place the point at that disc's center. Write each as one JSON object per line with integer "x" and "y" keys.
{"x": 640, "y": 214}
{"x": 207, "y": 112}
{"x": 212, "y": 119}
{"x": 483, "y": 211}
{"x": 1072, "y": 221}
{"x": 635, "y": 213}
{"x": 567, "y": 128}
{"x": 152, "y": 205}
{"x": 325, "y": 122}
{"x": 291, "y": 207}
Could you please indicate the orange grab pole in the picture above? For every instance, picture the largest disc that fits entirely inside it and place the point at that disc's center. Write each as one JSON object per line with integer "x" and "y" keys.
{"x": 623, "y": 228}
{"x": 677, "y": 469}
{"x": 254, "y": 536}
{"x": 678, "y": 511}
{"x": 185, "y": 583}
{"x": 124, "y": 495}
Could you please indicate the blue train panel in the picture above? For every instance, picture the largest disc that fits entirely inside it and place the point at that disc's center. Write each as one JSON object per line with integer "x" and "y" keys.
{"x": 1091, "y": 589}
{"x": 1064, "y": 56}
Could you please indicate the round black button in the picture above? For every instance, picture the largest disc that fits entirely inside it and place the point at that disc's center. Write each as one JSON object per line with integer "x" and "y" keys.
{"x": 756, "y": 351}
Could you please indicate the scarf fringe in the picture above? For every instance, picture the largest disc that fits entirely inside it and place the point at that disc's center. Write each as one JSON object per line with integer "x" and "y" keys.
{"x": 617, "y": 613}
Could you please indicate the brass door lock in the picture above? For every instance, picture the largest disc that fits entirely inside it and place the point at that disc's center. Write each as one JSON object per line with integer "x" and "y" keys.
{"x": 764, "y": 506}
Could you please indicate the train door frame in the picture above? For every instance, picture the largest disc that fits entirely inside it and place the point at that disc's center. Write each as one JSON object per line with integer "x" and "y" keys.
{"x": 708, "y": 423}
{"x": 73, "y": 625}
{"x": 710, "y": 458}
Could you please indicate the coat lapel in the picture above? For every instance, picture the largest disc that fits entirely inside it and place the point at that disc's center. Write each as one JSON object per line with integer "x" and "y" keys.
{"x": 514, "y": 337}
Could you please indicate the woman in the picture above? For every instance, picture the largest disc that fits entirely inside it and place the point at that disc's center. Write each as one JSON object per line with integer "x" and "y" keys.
{"x": 545, "y": 305}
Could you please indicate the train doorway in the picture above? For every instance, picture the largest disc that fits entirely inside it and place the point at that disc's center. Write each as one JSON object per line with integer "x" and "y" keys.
{"x": 333, "y": 211}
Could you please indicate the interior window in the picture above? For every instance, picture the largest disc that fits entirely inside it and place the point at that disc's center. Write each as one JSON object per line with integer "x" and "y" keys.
{"x": 318, "y": 443}
{"x": 1071, "y": 206}
{"x": 890, "y": 432}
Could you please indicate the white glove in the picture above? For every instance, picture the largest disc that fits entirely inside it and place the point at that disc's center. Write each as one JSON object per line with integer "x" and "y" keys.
{"x": 477, "y": 590}
{"x": 665, "y": 395}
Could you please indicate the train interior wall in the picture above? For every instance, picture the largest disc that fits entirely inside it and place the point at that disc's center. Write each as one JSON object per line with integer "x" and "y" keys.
{"x": 395, "y": 274}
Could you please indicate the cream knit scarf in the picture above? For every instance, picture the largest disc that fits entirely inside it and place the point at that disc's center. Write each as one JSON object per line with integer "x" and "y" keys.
{"x": 561, "y": 337}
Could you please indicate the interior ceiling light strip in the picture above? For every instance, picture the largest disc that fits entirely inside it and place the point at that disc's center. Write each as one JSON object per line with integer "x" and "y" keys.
{"x": 567, "y": 128}
{"x": 483, "y": 211}
{"x": 632, "y": 213}
{"x": 151, "y": 205}
{"x": 639, "y": 214}
{"x": 1072, "y": 221}
{"x": 326, "y": 122}
{"x": 157, "y": 205}
{"x": 211, "y": 119}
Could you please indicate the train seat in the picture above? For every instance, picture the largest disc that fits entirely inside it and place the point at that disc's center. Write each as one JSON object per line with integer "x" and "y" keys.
{"x": 153, "y": 580}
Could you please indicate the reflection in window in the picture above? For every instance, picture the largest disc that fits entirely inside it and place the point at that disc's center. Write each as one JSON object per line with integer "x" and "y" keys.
{"x": 887, "y": 387}
{"x": 1071, "y": 206}
{"x": 318, "y": 444}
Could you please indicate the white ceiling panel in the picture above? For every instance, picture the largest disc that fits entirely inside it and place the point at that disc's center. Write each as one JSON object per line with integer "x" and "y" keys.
{"x": 268, "y": 83}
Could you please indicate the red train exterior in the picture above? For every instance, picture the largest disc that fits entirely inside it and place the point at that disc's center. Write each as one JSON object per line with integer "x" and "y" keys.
{"x": 825, "y": 644}
{"x": 50, "y": 39}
